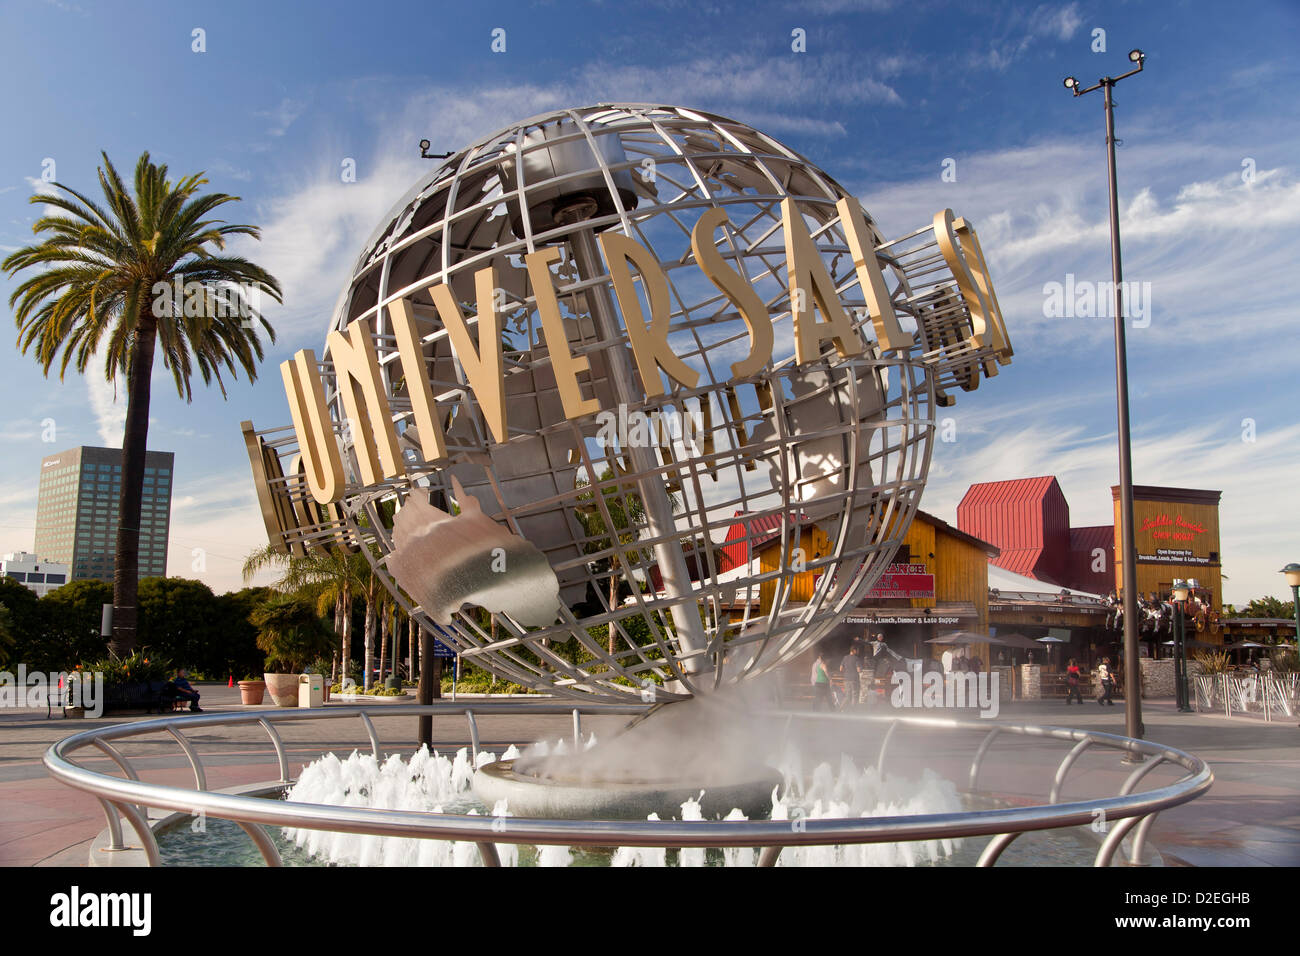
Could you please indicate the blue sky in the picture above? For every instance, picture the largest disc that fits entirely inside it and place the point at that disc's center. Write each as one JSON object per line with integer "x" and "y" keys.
{"x": 886, "y": 91}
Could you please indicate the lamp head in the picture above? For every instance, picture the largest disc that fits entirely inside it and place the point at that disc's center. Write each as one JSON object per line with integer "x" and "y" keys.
{"x": 1292, "y": 572}
{"x": 1072, "y": 84}
{"x": 424, "y": 145}
{"x": 1180, "y": 590}
{"x": 1137, "y": 56}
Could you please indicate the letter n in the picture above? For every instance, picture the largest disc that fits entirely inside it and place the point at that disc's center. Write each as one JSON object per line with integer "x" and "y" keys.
{"x": 356, "y": 369}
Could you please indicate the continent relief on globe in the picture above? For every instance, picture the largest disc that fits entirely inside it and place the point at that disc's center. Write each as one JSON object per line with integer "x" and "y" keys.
{"x": 446, "y": 561}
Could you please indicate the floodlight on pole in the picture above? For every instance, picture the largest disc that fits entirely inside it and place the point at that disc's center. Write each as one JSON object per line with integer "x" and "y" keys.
{"x": 1128, "y": 545}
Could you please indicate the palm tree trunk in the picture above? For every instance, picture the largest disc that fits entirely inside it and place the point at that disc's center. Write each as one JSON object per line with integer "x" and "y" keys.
{"x": 613, "y": 598}
{"x": 412, "y": 649}
{"x": 383, "y": 642}
{"x": 415, "y": 647}
{"x": 369, "y": 648}
{"x": 135, "y": 443}
{"x": 346, "y": 634}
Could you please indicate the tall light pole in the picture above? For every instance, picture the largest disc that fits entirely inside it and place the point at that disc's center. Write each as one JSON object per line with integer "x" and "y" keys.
{"x": 1292, "y": 572}
{"x": 1128, "y": 546}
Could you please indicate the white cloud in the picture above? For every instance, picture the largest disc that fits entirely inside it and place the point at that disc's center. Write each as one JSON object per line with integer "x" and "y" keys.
{"x": 1085, "y": 463}
{"x": 1042, "y": 214}
{"x": 1058, "y": 23}
{"x": 1043, "y": 23}
{"x": 215, "y": 522}
{"x": 282, "y": 116}
{"x": 107, "y": 405}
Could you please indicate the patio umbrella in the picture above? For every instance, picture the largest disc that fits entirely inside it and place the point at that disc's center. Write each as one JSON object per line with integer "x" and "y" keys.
{"x": 964, "y": 637}
{"x": 1051, "y": 643}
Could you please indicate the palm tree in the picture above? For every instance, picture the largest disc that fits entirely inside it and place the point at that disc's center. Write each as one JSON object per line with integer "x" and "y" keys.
{"x": 104, "y": 284}
{"x": 333, "y": 577}
{"x": 628, "y": 514}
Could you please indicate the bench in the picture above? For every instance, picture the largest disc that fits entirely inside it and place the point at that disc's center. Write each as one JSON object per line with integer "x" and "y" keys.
{"x": 147, "y": 696}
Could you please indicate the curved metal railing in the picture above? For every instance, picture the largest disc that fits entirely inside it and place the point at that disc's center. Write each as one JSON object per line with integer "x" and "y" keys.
{"x": 128, "y": 796}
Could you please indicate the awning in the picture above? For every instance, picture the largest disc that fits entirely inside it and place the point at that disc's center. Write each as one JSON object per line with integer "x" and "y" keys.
{"x": 944, "y": 612}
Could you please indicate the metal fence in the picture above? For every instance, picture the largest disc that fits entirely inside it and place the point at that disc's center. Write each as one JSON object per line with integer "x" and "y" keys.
{"x": 1271, "y": 696}
{"x": 128, "y": 797}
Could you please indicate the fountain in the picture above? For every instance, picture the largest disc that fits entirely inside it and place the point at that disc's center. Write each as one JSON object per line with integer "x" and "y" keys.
{"x": 569, "y": 359}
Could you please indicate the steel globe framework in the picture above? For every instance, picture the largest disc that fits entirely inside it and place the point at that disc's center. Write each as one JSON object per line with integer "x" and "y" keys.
{"x": 837, "y": 444}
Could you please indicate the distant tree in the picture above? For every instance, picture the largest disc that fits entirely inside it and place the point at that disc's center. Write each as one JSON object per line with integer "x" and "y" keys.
{"x": 334, "y": 579}
{"x": 27, "y": 624}
{"x": 1269, "y": 607}
{"x": 178, "y": 621}
{"x": 6, "y": 635}
{"x": 290, "y": 632}
{"x": 73, "y": 614}
{"x": 235, "y": 636}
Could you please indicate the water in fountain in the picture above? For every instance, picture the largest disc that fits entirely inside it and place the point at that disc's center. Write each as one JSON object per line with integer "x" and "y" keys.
{"x": 431, "y": 782}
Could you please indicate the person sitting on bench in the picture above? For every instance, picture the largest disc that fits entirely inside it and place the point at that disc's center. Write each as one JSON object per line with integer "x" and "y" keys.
{"x": 185, "y": 692}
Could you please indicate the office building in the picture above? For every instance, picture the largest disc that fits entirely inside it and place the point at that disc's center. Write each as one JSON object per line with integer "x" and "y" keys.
{"x": 76, "y": 511}
{"x": 38, "y": 575}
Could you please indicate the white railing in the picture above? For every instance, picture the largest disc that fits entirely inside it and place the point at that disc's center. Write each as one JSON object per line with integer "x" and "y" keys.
{"x": 1271, "y": 696}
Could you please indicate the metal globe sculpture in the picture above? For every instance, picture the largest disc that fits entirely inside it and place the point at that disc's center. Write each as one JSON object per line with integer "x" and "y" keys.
{"x": 587, "y": 347}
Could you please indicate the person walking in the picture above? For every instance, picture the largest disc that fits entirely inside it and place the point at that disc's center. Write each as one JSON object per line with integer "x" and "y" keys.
{"x": 821, "y": 683}
{"x": 1107, "y": 683}
{"x": 852, "y": 679}
{"x": 1072, "y": 677}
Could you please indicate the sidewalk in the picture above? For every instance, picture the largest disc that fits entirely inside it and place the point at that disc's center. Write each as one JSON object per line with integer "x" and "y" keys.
{"x": 1251, "y": 816}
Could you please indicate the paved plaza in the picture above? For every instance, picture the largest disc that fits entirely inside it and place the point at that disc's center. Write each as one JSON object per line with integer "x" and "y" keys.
{"x": 1250, "y": 817}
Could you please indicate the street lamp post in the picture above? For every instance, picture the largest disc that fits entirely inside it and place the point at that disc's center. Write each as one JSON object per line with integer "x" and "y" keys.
{"x": 1292, "y": 572}
{"x": 1128, "y": 547}
{"x": 1179, "y": 592}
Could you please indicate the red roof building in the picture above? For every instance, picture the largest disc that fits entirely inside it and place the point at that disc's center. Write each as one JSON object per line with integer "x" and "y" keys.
{"x": 1029, "y": 520}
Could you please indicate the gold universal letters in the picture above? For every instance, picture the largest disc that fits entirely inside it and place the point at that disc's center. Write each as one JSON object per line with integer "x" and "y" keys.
{"x": 649, "y": 341}
{"x": 810, "y": 283}
{"x": 889, "y": 334}
{"x": 483, "y": 369}
{"x": 738, "y": 292}
{"x": 812, "y": 290}
{"x": 564, "y": 364}
{"x": 322, "y": 464}
{"x": 356, "y": 368}
{"x": 971, "y": 245}
{"x": 433, "y": 443}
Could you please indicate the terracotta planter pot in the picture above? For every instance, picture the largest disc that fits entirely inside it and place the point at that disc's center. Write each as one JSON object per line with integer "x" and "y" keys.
{"x": 251, "y": 691}
{"x": 283, "y": 689}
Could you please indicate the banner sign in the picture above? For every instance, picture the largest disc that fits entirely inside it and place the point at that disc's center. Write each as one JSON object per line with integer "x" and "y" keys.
{"x": 903, "y": 581}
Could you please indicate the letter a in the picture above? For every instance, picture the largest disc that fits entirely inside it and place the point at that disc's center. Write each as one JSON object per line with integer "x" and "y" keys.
{"x": 807, "y": 275}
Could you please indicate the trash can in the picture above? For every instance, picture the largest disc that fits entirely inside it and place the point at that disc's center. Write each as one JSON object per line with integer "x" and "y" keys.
{"x": 311, "y": 690}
